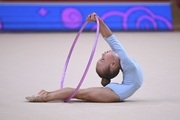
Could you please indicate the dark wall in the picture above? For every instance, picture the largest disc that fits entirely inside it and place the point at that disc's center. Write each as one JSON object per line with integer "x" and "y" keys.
{"x": 176, "y": 14}
{"x": 178, "y": 2}
{"x": 85, "y": 0}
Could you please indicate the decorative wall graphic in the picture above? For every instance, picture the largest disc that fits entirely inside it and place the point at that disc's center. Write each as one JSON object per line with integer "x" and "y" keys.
{"x": 42, "y": 11}
{"x": 69, "y": 17}
{"x": 1, "y": 26}
{"x": 149, "y": 17}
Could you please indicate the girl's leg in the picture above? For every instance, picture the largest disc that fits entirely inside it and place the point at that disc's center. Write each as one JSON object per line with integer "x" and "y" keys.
{"x": 60, "y": 94}
{"x": 95, "y": 94}
{"x": 44, "y": 96}
{"x": 44, "y": 91}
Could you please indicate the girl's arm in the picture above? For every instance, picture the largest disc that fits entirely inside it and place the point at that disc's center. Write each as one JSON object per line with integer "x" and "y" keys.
{"x": 104, "y": 29}
{"x": 110, "y": 38}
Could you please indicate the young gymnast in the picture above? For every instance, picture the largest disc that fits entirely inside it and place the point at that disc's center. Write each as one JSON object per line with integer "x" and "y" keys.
{"x": 107, "y": 67}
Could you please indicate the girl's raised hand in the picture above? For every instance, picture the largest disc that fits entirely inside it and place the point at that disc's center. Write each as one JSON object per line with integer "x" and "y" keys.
{"x": 91, "y": 17}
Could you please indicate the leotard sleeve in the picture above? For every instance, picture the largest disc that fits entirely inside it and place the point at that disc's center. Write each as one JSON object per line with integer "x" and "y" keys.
{"x": 116, "y": 46}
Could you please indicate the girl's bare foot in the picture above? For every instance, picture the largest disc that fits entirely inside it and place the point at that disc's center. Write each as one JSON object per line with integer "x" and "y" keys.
{"x": 42, "y": 92}
{"x": 37, "y": 98}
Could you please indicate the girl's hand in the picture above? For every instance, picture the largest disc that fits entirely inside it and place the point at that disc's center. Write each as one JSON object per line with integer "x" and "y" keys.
{"x": 91, "y": 17}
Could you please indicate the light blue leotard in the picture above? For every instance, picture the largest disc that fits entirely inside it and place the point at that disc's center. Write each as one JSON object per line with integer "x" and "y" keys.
{"x": 132, "y": 73}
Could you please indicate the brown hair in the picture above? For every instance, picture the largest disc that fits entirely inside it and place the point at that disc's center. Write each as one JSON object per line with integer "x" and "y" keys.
{"x": 107, "y": 73}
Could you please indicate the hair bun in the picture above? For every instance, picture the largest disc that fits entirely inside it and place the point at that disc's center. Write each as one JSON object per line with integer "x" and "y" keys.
{"x": 104, "y": 81}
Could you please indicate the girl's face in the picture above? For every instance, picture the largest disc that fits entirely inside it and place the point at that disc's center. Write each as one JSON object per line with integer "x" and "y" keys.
{"x": 107, "y": 57}
{"x": 106, "y": 60}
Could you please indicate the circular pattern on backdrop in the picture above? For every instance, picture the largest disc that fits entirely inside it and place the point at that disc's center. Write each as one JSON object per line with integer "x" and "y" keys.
{"x": 1, "y": 26}
{"x": 71, "y": 18}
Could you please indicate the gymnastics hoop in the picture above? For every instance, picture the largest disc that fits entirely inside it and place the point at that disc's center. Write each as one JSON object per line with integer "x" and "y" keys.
{"x": 89, "y": 62}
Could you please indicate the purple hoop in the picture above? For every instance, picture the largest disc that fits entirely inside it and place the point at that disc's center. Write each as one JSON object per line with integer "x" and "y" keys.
{"x": 89, "y": 62}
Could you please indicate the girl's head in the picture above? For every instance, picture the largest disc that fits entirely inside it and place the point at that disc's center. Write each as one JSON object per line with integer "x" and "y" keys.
{"x": 108, "y": 66}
